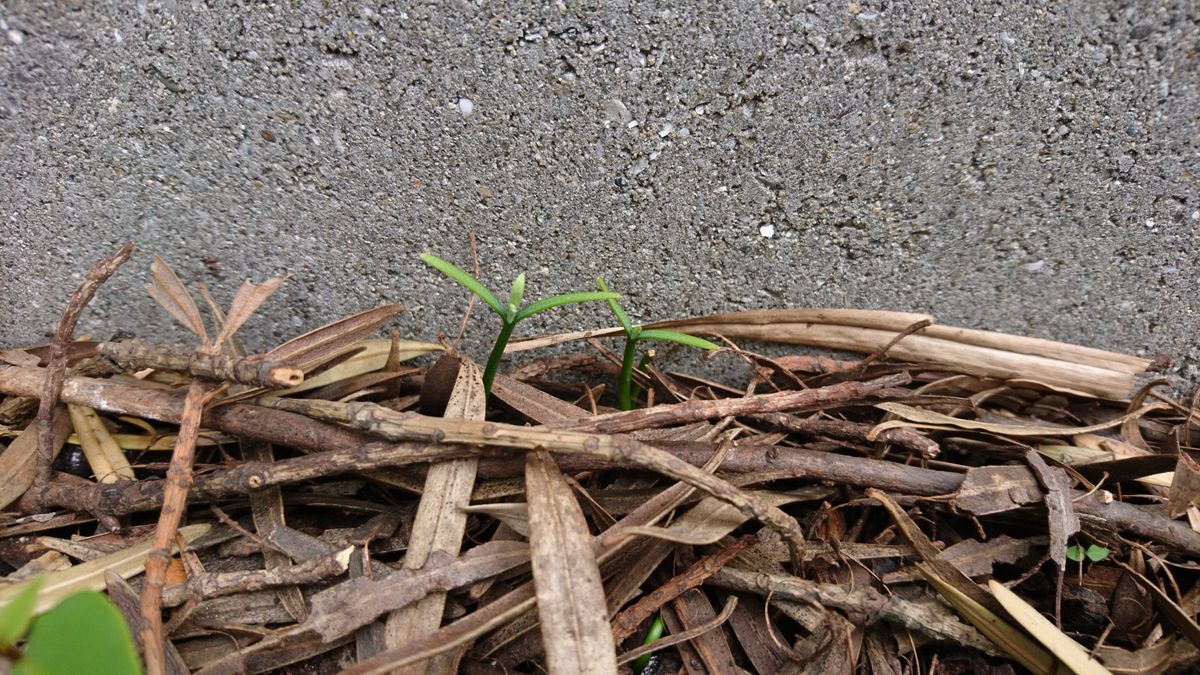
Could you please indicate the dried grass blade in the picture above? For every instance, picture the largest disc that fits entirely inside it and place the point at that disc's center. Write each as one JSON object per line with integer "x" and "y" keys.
{"x": 170, "y": 293}
{"x": 325, "y": 342}
{"x": 267, "y": 512}
{"x": 108, "y": 460}
{"x": 245, "y": 303}
{"x": 89, "y": 576}
{"x": 1012, "y": 641}
{"x": 913, "y": 416}
{"x": 1071, "y": 653}
{"x": 440, "y": 522}
{"x": 570, "y": 595}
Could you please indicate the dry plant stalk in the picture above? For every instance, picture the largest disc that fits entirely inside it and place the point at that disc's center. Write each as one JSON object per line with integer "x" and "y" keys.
{"x": 171, "y": 294}
{"x": 57, "y": 367}
{"x": 136, "y": 355}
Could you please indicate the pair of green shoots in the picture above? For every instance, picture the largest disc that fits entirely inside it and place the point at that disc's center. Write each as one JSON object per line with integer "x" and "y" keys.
{"x": 512, "y": 313}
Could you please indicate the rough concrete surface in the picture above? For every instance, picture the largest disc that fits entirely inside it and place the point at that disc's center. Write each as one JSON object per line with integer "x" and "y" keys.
{"x": 1018, "y": 166}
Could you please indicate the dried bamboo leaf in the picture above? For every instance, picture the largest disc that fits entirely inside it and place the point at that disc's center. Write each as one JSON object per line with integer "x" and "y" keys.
{"x": 1084, "y": 369}
{"x": 89, "y": 576}
{"x": 246, "y": 301}
{"x": 267, "y": 512}
{"x": 104, "y": 455}
{"x": 917, "y": 416}
{"x": 170, "y": 293}
{"x": 327, "y": 341}
{"x": 513, "y": 514}
{"x": 712, "y": 519}
{"x": 570, "y": 595}
{"x": 18, "y": 462}
{"x": 440, "y": 522}
{"x": 1012, "y": 641}
{"x": 371, "y": 355}
{"x": 1068, "y": 651}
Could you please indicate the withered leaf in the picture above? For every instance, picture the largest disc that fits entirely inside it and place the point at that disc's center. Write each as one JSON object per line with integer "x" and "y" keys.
{"x": 570, "y": 595}
{"x": 323, "y": 343}
{"x": 1185, "y": 487}
{"x": 245, "y": 303}
{"x": 170, "y": 293}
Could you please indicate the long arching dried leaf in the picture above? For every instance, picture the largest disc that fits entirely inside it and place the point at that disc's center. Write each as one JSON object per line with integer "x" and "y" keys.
{"x": 570, "y": 595}
{"x": 170, "y": 293}
{"x": 245, "y": 303}
{"x": 1071, "y": 653}
{"x": 324, "y": 342}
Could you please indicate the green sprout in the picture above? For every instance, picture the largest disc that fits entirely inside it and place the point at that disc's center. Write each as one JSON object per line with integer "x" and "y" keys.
{"x": 511, "y": 313}
{"x": 657, "y": 628}
{"x": 1092, "y": 552}
{"x": 632, "y": 335}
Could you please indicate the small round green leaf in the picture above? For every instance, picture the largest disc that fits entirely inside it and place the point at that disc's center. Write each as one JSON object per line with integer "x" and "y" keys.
{"x": 1075, "y": 552}
{"x": 15, "y": 616}
{"x": 82, "y": 634}
{"x": 1096, "y": 553}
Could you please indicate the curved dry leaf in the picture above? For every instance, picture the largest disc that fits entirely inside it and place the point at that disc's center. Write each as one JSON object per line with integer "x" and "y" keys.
{"x": 513, "y": 514}
{"x": 372, "y": 355}
{"x": 1070, "y": 652}
{"x": 323, "y": 343}
{"x": 1174, "y": 614}
{"x": 570, "y": 595}
{"x": 712, "y": 519}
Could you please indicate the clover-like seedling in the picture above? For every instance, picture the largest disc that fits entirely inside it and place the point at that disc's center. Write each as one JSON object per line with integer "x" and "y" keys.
{"x": 511, "y": 313}
{"x": 632, "y": 335}
{"x": 1092, "y": 552}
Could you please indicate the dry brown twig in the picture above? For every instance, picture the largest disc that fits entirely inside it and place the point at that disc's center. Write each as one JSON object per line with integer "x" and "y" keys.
{"x": 170, "y": 293}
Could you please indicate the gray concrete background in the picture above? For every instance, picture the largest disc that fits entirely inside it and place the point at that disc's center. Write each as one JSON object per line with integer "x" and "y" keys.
{"x": 1017, "y": 166}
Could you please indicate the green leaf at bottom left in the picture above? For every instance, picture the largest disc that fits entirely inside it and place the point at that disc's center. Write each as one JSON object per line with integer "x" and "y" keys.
{"x": 15, "y": 616}
{"x": 83, "y": 634}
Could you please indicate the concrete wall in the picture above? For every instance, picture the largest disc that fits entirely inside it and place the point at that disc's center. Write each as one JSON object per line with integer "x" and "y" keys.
{"x": 1024, "y": 167}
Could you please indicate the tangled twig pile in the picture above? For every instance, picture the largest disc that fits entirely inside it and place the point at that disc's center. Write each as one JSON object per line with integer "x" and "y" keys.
{"x": 956, "y": 499}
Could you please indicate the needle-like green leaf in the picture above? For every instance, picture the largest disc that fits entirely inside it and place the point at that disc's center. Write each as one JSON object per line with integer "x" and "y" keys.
{"x": 622, "y": 317}
{"x": 471, "y": 283}
{"x": 564, "y": 299}
{"x": 674, "y": 336}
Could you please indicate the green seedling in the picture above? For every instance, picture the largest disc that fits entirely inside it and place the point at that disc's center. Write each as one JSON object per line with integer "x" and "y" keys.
{"x": 511, "y": 313}
{"x": 1092, "y": 552}
{"x": 82, "y": 634}
{"x": 657, "y": 628}
{"x": 632, "y": 335}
